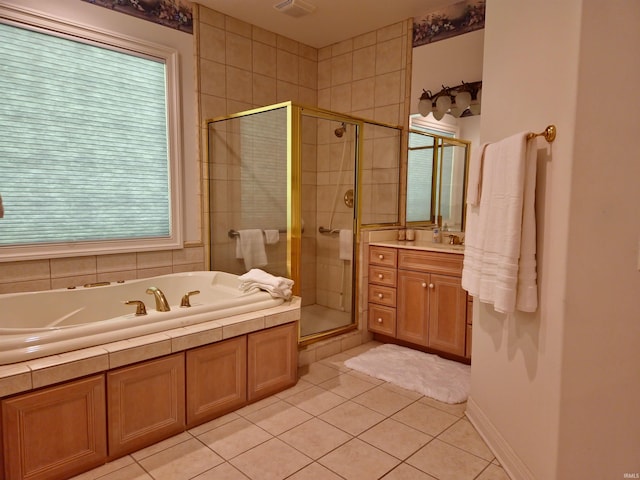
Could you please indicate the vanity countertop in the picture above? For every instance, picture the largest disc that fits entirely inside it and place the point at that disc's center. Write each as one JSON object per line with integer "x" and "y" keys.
{"x": 420, "y": 245}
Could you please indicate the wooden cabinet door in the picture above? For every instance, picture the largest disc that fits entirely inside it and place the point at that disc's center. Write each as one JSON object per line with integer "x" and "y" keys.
{"x": 413, "y": 307}
{"x": 57, "y": 432}
{"x": 146, "y": 403}
{"x": 447, "y": 315}
{"x": 216, "y": 379}
{"x": 272, "y": 360}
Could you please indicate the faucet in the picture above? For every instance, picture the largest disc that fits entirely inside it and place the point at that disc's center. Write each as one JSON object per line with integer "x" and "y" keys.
{"x": 161, "y": 302}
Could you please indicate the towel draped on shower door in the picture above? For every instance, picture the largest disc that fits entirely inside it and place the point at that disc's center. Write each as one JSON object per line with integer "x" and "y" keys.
{"x": 500, "y": 236}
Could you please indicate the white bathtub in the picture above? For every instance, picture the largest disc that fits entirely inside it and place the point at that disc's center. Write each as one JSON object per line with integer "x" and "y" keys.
{"x": 37, "y": 324}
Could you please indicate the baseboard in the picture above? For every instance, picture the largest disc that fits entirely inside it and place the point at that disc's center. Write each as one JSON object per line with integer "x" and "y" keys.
{"x": 508, "y": 459}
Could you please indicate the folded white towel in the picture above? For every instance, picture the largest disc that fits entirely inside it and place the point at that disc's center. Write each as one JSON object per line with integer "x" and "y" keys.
{"x": 499, "y": 261}
{"x": 271, "y": 237}
{"x": 250, "y": 247}
{"x": 255, "y": 279}
{"x": 346, "y": 244}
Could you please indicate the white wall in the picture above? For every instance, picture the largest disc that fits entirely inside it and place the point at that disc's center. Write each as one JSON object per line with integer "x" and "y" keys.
{"x": 555, "y": 392}
{"x": 102, "y": 18}
{"x": 447, "y": 62}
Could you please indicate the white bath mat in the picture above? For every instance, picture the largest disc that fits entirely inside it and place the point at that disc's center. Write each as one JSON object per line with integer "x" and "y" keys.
{"x": 430, "y": 375}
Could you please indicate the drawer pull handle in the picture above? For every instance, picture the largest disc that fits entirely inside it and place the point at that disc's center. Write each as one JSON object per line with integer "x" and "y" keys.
{"x": 380, "y": 276}
{"x": 381, "y": 257}
{"x": 379, "y": 320}
{"x": 380, "y": 295}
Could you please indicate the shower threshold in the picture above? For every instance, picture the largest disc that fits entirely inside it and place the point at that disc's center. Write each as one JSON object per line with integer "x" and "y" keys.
{"x": 318, "y": 318}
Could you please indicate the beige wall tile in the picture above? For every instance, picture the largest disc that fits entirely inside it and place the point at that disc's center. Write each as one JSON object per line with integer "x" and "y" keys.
{"x": 264, "y": 36}
{"x": 160, "y": 258}
{"x": 188, "y": 255}
{"x": 286, "y": 91}
{"x": 362, "y": 94}
{"x": 212, "y": 43}
{"x": 116, "y": 262}
{"x": 64, "y": 267}
{"x": 264, "y": 59}
{"x": 212, "y": 78}
{"x": 28, "y": 286}
{"x": 364, "y": 62}
{"x": 22, "y": 271}
{"x": 308, "y": 74}
{"x": 341, "y": 69}
{"x": 341, "y": 47}
{"x": 364, "y": 40}
{"x": 392, "y": 31}
{"x": 117, "y": 276}
{"x": 238, "y": 26}
{"x": 153, "y": 272}
{"x": 287, "y": 66}
{"x": 341, "y": 98}
{"x": 212, "y": 106}
{"x": 239, "y": 85}
{"x": 14, "y": 379}
{"x": 389, "y": 55}
{"x": 238, "y": 51}
{"x": 387, "y": 89}
{"x": 138, "y": 349}
{"x": 284, "y": 43}
{"x": 212, "y": 17}
{"x": 264, "y": 90}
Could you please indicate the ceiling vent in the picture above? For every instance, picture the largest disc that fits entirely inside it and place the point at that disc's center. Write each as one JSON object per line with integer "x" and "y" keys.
{"x": 295, "y": 8}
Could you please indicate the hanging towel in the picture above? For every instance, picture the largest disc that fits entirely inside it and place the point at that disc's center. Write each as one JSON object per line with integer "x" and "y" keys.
{"x": 256, "y": 279}
{"x": 475, "y": 176}
{"x": 271, "y": 237}
{"x": 346, "y": 244}
{"x": 499, "y": 261}
{"x": 250, "y": 247}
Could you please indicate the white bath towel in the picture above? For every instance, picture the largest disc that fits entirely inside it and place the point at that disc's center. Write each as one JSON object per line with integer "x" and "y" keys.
{"x": 256, "y": 279}
{"x": 346, "y": 244}
{"x": 475, "y": 176}
{"x": 499, "y": 261}
{"x": 250, "y": 247}
{"x": 271, "y": 236}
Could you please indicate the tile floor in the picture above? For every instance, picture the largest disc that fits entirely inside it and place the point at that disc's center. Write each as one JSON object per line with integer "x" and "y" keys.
{"x": 334, "y": 424}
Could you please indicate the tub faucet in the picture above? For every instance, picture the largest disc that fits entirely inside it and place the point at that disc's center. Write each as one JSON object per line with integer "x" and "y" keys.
{"x": 161, "y": 302}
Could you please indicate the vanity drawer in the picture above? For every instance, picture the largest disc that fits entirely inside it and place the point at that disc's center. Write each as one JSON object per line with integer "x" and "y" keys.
{"x": 382, "y": 320}
{"x": 382, "y": 275}
{"x": 382, "y": 295}
{"x": 432, "y": 262}
{"x": 387, "y": 257}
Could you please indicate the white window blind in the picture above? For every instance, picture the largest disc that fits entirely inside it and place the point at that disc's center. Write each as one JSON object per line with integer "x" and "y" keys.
{"x": 84, "y": 147}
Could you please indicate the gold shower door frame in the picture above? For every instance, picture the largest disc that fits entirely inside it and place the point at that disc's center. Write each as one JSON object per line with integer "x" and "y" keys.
{"x": 294, "y": 195}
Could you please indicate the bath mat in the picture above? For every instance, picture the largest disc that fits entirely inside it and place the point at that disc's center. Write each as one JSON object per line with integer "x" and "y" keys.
{"x": 430, "y": 375}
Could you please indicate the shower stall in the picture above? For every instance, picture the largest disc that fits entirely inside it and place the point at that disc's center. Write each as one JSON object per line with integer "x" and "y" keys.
{"x": 289, "y": 188}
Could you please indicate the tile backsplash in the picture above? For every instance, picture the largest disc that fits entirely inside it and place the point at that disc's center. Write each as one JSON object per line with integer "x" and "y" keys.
{"x": 73, "y": 271}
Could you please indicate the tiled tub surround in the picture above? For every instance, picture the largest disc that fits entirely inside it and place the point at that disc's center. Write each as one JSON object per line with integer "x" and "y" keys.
{"x": 38, "y": 324}
{"x": 22, "y": 379}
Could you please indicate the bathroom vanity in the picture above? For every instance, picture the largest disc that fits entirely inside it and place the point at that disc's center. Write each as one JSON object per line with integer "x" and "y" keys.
{"x": 415, "y": 297}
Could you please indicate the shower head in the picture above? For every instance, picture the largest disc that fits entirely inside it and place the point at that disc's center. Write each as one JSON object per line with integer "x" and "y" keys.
{"x": 340, "y": 130}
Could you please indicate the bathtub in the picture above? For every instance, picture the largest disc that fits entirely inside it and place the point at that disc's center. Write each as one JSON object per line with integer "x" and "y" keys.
{"x": 38, "y": 324}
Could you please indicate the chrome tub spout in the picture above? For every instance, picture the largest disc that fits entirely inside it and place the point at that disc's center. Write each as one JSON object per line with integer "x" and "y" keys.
{"x": 161, "y": 302}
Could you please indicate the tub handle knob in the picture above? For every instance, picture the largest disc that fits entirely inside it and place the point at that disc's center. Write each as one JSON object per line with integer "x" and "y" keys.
{"x": 185, "y": 298}
{"x": 140, "y": 308}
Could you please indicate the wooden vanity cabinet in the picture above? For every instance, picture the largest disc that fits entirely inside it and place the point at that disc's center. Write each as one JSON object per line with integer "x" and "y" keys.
{"x": 382, "y": 290}
{"x": 146, "y": 403}
{"x": 427, "y": 308}
{"x": 56, "y": 432}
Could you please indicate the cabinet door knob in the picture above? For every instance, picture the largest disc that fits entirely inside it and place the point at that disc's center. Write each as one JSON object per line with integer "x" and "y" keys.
{"x": 381, "y": 257}
{"x": 424, "y": 285}
{"x": 431, "y": 285}
{"x": 380, "y": 276}
{"x": 379, "y": 320}
{"x": 380, "y": 295}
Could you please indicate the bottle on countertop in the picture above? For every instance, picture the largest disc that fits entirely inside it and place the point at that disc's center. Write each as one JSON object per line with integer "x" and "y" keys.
{"x": 437, "y": 236}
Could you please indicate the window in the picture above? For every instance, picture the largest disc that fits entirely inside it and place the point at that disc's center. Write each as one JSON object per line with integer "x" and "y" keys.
{"x": 89, "y": 144}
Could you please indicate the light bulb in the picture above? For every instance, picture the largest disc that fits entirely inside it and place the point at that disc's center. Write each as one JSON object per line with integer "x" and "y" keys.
{"x": 456, "y": 111}
{"x": 463, "y": 99}
{"x": 424, "y": 107}
{"x": 437, "y": 114}
{"x": 443, "y": 103}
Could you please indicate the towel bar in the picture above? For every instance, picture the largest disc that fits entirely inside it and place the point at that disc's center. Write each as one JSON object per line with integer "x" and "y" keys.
{"x": 549, "y": 134}
{"x": 234, "y": 233}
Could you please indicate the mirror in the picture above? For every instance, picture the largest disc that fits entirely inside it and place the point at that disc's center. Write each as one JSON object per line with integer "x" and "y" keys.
{"x": 437, "y": 167}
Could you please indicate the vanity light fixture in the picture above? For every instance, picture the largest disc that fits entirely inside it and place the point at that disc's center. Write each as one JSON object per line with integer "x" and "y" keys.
{"x": 460, "y": 101}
